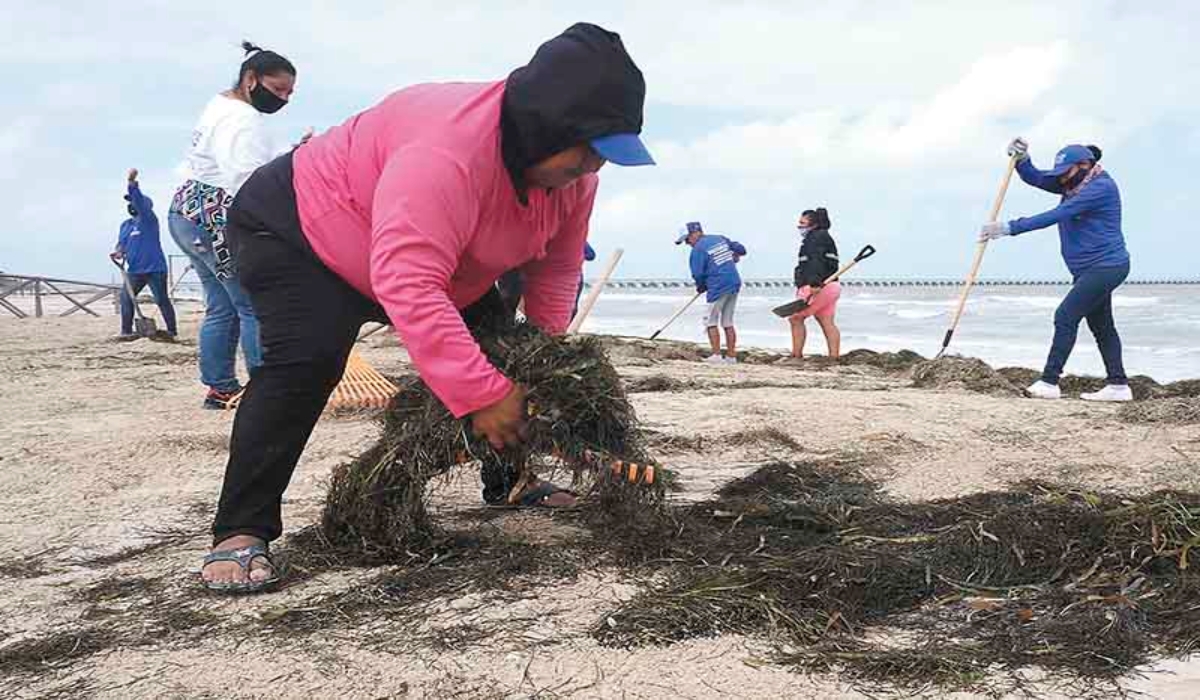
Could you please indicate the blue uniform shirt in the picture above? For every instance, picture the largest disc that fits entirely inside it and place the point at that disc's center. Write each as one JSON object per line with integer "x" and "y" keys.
{"x": 1089, "y": 224}
{"x": 139, "y": 237}
{"x": 714, "y": 266}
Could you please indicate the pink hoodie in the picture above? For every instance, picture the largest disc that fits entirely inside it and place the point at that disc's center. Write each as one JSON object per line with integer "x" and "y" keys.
{"x": 410, "y": 203}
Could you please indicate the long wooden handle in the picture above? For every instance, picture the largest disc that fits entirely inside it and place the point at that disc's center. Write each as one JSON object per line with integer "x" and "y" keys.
{"x": 866, "y": 252}
{"x": 981, "y": 248}
{"x": 179, "y": 280}
{"x": 676, "y": 315}
{"x": 863, "y": 254}
{"x": 128, "y": 286}
{"x": 598, "y": 286}
{"x": 378, "y": 327}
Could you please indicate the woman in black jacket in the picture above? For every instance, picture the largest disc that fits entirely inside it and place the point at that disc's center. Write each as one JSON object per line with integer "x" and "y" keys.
{"x": 818, "y": 260}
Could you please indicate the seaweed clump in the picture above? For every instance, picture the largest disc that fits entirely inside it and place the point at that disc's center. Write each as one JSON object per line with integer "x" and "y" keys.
{"x": 1177, "y": 411}
{"x": 580, "y": 420}
{"x": 900, "y": 361}
{"x": 968, "y": 593}
{"x": 962, "y": 373}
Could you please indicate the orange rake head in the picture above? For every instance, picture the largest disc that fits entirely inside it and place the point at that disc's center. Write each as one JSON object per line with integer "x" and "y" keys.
{"x": 362, "y": 386}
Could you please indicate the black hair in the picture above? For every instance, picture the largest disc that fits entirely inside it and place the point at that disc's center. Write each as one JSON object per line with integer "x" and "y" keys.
{"x": 1096, "y": 152}
{"x": 261, "y": 62}
{"x": 819, "y": 217}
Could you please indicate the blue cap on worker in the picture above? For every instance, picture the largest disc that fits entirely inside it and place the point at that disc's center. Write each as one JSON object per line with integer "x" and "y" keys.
{"x": 1069, "y": 156}
{"x": 687, "y": 230}
{"x": 622, "y": 149}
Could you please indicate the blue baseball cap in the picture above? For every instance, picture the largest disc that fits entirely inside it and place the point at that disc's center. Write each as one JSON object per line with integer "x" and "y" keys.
{"x": 1069, "y": 156}
{"x": 622, "y": 149}
{"x": 687, "y": 230}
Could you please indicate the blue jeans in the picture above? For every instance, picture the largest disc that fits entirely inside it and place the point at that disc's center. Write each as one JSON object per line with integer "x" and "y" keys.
{"x": 158, "y": 287}
{"x": 1091, "y": 298}
{"x": 228, "y": 316}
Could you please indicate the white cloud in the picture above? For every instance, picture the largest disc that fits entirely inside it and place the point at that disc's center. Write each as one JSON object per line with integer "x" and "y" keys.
{"x": 894, "y": 114}
{"x": 15, "y": 136}
{"x": 937, "y": 130}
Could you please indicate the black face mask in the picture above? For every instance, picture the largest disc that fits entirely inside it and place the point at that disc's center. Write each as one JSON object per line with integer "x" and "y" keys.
{"x": 1074, "y": 180}
{"x": 266, "y": 101}
{"x": 132, "y": 211}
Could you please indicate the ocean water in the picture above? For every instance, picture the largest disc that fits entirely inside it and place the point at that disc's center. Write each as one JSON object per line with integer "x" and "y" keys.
{"x": 1159, "y": 325}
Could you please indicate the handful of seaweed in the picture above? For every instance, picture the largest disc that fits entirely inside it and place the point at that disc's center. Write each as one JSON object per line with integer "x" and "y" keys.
{"x": 580, "y": 420}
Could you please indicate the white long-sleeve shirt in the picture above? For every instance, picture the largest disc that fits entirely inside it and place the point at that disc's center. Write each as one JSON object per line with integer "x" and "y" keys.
{"x": 229, "y": 143}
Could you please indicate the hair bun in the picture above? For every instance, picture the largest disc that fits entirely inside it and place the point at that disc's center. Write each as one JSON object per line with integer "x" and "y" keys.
{"x": 250, "y": 48}
{"x": 1096, "y": 152}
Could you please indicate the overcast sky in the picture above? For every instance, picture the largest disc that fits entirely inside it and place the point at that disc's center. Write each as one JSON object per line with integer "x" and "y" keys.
{"x": 893, "y": 115}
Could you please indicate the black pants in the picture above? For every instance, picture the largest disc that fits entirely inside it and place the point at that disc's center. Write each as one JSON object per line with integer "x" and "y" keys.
{"x": 308, "y": 319}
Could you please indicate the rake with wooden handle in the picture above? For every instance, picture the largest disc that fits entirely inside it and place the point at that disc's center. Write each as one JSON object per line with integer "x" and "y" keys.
{"x": 598, "y": 286}
{"x": 979, "y": 251}
{"x": 362, "y": 386}
{"x": 676, "y": 315}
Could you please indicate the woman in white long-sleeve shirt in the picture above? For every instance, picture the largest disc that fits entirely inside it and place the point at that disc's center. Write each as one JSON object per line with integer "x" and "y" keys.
{"x": 228, "y": 144}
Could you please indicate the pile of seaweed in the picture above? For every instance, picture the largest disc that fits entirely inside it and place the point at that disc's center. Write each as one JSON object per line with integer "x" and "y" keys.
{"x": 1178, "y": 411}
{"x": 951, "y": 371}
{"x": 580, "y": 421}
{"x": 974, "y": 593}
{"x": 967, "y": 373}
{"x": 900, "y": 361}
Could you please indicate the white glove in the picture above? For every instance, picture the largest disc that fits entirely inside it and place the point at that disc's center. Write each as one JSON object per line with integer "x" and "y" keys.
{"x": 993, "y": 230}
{"x": 1018, "y": 148}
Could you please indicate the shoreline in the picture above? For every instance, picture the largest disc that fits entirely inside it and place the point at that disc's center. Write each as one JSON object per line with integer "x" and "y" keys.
{"x": 899, "y": 362}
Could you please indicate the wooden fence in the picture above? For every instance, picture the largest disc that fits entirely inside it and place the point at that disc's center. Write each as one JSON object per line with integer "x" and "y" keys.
{"x": 24, "y": 296}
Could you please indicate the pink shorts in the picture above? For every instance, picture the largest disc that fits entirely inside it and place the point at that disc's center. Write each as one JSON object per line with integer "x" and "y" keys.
{"x": 824, "y": 304}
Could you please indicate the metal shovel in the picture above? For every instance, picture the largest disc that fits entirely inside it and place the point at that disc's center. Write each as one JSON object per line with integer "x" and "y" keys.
{"x": 143, "y": 324}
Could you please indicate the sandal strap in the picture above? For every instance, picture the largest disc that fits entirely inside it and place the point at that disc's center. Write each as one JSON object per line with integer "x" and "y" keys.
{"x": 244, "y": 556}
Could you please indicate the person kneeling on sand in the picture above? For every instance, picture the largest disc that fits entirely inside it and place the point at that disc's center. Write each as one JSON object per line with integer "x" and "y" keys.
{"x": 714, "y": 269}
{"x": 409, "y": 212}
{"x": 1093, "y": 247}
{"x": 818, "y": 261}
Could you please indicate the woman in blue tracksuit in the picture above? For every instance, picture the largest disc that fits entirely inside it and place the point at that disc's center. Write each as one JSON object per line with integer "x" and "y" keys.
{"x": 1089, "y": 227}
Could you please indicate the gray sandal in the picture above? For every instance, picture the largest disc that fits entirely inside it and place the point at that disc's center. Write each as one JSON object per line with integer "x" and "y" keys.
{"x": 244, "y": 557}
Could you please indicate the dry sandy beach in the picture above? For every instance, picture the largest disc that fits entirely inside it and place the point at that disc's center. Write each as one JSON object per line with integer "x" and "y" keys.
{"x": 109, "y": 470}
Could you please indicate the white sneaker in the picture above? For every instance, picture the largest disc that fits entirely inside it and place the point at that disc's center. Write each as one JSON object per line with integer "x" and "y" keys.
{"x": 1111, "y": 392}
{"x": 731, "y": 360}
{"x": 715, "y": 360}
{"x": 1043, "y": 390}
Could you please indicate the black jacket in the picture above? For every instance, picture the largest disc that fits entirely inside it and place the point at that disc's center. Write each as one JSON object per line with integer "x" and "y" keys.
{"x": 578, "y": 86}
{"x": 818, "y": 258}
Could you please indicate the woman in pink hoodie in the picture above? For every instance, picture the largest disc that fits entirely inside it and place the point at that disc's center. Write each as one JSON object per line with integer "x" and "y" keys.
{"x": 408, "y": 213}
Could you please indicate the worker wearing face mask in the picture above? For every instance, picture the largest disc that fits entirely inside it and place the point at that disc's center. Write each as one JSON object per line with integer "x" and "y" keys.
{"x": 1093, "y": 247}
